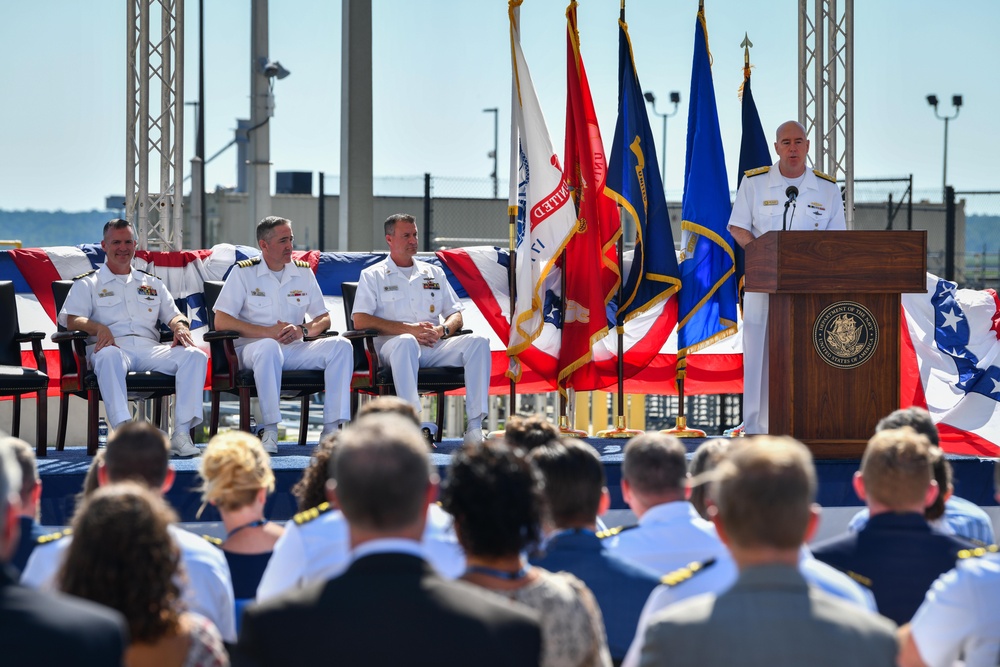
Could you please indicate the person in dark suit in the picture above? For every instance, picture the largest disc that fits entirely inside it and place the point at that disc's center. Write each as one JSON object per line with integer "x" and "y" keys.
{"x": 897, "y": 554}
{"x": 39, "y": 628}
{"x": 764, "y": 494}
{"x": 576, "y": 493}
{"x": 389, "y": 607}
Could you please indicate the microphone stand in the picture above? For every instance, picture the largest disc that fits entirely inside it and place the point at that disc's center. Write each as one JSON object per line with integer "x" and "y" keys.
{"x": 784, "y": 216}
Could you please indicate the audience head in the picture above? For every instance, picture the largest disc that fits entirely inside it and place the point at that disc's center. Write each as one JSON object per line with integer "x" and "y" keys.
{"x": 393, "y": 405}
{"x": 140, "y": 452}
{"x": 496, "y": 498}
{"x": 235, "y": 471}
{"x": 91, "y": 481}
{"x": 10, "y": 493}
{"x": 381, "y": 477}
{"x": 764, "y": 492}
{"x": 897, "y": 472}
{"x": 122, "y": 556}
{"x": 916, "y": 418}
{"x": 654, "y": 471}
{"x": 575, "y": 488}
{"x": 310, "y": 490}
{"x": 705, "y": 459}
{"x": 529, "y": 432}
{"x": 31, "y": 484}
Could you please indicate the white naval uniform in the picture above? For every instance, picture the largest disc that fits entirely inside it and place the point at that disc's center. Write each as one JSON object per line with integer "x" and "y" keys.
{"x": 385, "y": 291}
{"x": 254, "y": 294}
{"x": 316, "y": 546}
{"x": 130, "y": 306}
{"x": 759, "y": 208}
{"x": 206, "y": 586}
{"x": 961, "y": 615}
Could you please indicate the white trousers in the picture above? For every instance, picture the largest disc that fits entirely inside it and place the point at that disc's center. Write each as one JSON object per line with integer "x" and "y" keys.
{"x": 755, "y": 363}
{"x": 135, "y": 353}
{"x": 334, "y": 356}
{"x": 472, "y": 352}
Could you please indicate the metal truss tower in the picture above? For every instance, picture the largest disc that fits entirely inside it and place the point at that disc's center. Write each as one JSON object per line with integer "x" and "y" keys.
{"x": 155, "y": 128}
{"x": 826, "y": 89}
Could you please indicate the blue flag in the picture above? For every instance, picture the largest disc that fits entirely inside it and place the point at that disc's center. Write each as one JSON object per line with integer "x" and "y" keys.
{"x": 708, "y": 262}
{"x": 634, "y": 179}
{"x": 754, "y": 152}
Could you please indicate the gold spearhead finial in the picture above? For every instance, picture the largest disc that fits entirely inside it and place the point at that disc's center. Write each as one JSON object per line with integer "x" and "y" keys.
{"x": 747, "y": 45}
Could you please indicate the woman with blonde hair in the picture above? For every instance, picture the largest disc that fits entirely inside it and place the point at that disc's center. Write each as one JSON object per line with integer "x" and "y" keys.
{"x": 123, "y": 557}
{"x": 237, "y": 478}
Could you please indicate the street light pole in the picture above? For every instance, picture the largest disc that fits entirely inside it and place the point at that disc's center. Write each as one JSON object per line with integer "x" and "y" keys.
{"x": 493, "y": 154}
{"x": 675, "y": 97}
{"x": 956, "y": 100}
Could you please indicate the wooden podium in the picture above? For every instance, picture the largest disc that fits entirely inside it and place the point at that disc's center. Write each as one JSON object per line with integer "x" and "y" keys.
{"x": 834, "y": 330}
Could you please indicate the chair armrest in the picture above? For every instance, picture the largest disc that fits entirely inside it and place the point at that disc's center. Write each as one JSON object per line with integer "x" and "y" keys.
{"x": 166, "y": 336}
{"x": 461, "y": 332}
{"x": 225, "y": 334}
{"x": 35, "y": 338}
{"x": 360, "y": 334}
{"x": 325, "y": 334}
{"x": 67, "y": 336}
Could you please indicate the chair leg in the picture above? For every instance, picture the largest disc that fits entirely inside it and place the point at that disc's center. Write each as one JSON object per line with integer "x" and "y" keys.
{"x": 15, "y": 425}
{"x": 304, "y": 420}
{"x": 63, "y": 416}
{"x": 355, "y": 399}
{"x": 42, "y": 423}
{"x": 158, "y": 412}
{"x": 93, "y": 414}
{"x": 213, "y": 420}
{"x": 245, "y": 410}
{"x": 440, "y": 416}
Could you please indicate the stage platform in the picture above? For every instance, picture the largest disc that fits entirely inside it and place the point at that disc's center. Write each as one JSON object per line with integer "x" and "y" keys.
{"x": 63, "y": 473}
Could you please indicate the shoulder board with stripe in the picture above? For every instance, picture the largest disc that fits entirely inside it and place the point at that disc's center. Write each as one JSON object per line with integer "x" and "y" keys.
{"x": 247, "y": 263}
{"x": 313, "y": 513}
{"x": 148, "y": 273}
{"x": 611, "y": 532}
{"x": 52, "y": 537}
{"x": 214, "y": 541}
{"x": 676, "y": 577}
{"x": 750, "y": 173}
{"x": 302, "y": 264}
{"x": 978, "y": 552}
{"x": 85, "y": 274}
{"x": 860, "y": 578}
{"x": 825, "y": 177}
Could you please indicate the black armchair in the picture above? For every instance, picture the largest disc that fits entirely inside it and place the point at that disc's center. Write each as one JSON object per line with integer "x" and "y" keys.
{"x": 17, "y": 379}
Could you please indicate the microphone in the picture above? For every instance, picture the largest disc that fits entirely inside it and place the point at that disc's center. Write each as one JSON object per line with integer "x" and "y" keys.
{"x": 792, "y": 193}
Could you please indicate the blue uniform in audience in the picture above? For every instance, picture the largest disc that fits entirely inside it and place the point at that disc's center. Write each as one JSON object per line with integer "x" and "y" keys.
{"x": 897, "y": 556}
{"x": 620, "y": 586}
{"x": 961, "y": 517}
{"x": 31, "y": 530}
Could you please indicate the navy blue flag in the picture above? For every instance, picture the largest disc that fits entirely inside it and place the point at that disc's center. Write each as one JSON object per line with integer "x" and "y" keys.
{"x": 708, "y": 295}
{"x": 754, "y": 152}
{"x": 635, "y": 184}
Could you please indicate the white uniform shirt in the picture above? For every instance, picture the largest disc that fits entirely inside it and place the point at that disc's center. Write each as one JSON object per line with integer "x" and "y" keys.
{"x": 208, "y": 588}
{"x": 254, "y": 294}
{"x": 670, "y": 536}
{"x": 319, "y": 549}
{"x": 128, "y": 305}
{"x": 760, "y": 204}
{"x": 425, "y": 296}
{"x": 961, "y": 615}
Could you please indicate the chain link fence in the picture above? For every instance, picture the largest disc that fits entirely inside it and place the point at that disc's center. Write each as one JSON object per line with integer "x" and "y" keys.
{"x": 982, "y": 238}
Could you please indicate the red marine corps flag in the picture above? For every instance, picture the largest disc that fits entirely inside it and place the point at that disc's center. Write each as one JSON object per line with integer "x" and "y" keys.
{"x": 545, "y": 222}
{"x": 590, "y": 261}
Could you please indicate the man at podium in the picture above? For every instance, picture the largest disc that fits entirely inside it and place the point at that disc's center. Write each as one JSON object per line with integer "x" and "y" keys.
{"x": 768, "y": 200}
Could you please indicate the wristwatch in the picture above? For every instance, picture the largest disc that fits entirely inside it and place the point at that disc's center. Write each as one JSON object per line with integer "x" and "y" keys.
{"x": 305, "y": 331}
{"x": 445, "y": 332}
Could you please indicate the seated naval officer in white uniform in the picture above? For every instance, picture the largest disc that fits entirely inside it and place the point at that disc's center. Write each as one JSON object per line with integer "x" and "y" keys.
{"x": 267, "y": 299}
{"x": 416, "y": 313}
{"x": 119, "y": 307}
{"x": 760, "y": 208}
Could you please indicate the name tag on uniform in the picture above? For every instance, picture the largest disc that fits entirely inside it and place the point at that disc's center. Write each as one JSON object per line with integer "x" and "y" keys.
{"x": 770, "y": 202}
{"x": 391, "y": 288}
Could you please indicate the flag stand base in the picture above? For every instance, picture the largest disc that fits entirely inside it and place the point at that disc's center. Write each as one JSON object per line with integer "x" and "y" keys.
{"x": 619, "y": 431}
{"x": 682, "y": 431}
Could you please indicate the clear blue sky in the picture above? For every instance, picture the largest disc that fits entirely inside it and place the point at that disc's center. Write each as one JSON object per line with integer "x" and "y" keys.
{"x": 439, "y": 63}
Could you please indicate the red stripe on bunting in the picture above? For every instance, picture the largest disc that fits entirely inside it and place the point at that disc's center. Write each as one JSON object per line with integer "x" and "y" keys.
{"x": 177, "y": 259}
{"x": 956, "y": 441}
{"x": 39, "y": 272}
